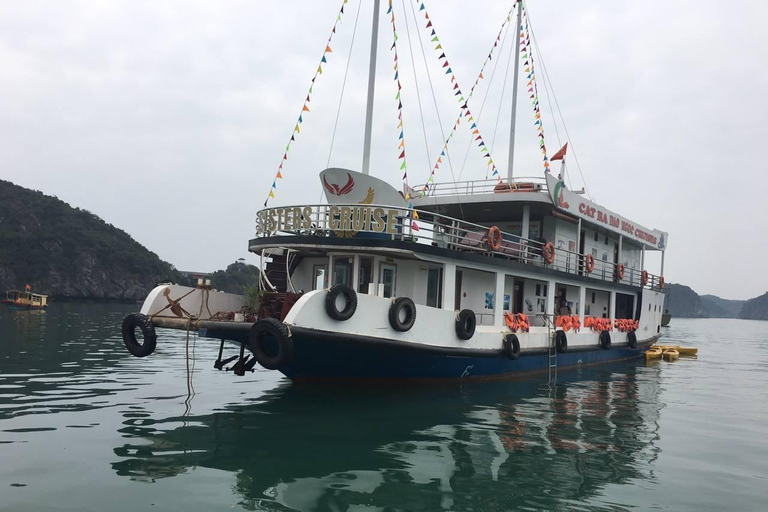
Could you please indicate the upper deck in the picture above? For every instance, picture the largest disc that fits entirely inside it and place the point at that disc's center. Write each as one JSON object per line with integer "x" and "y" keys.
{"x": 397, "y": 230}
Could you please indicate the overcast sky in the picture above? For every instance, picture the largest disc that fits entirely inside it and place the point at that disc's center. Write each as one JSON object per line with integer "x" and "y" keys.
{"x": 168, "y": 119}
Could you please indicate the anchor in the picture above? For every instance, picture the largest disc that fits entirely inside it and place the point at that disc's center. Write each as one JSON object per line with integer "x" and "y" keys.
{"x": 219, "y": 364}
{"x": 243, "y": 364}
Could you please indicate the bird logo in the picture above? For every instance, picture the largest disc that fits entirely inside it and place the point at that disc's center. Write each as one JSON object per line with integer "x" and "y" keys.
{"x": 334, "y": 189}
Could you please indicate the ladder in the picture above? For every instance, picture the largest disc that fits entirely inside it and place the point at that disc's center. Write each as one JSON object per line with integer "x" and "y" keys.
{"x": 551, "y": 354}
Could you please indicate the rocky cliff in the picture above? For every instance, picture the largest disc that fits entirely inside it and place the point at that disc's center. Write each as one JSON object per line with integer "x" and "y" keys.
{"x": 70, "y": 253}
{"x": 721, "y": 308}
{"x": 683, "y": 302}
{"x": 755, "y": 309}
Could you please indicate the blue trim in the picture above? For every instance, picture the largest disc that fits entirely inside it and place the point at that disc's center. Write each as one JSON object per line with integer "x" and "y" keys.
{"x": 316, "y": 357}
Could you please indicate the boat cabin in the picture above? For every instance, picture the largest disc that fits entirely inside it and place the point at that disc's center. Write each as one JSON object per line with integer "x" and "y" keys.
{"x": 515, "y": 248}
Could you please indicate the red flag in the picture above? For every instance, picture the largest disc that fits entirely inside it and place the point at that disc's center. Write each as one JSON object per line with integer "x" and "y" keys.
{"x": 560, "y": 154}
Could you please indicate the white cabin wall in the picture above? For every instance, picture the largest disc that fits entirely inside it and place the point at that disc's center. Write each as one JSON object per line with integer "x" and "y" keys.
{"x": 531, "y": 301}
{"x": 474, "y": 285}
{"x": 303, "y": 277}
{"x": 631, "y": 255}
{"x": 601, "y": 304}
{"x": 567, "y": 239}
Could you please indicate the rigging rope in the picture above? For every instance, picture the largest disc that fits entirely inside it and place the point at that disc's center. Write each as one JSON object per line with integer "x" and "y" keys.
{"x": 398, "y": 97}
{"x": 416, "y": 80}
{"x": 562, "y": 119}
{"x": 344, "y": 84}
{"x": 464, "y": 111}
{"x": 434, "y": 100}
{"x": 304, "y": 108}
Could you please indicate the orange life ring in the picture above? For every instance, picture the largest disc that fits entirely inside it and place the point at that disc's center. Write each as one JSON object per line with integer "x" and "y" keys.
{"x": 494, "y": 238}
{"x": 620, "y": 271}
{"x": 661, "y": 282}
{"x": 589, "y": 263}
{"x": 549, "y": 253}
{"x": 645, "y": 277}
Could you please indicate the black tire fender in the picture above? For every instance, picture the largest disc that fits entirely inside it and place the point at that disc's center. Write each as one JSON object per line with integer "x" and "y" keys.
{"x": 350, "y": 298}
{"x": 511, "y": 346}
{"x": 561, "y": 342}
{"x": 632, "y": 339}
{"x": 398, "y": 305}
{"x": 466, "y": 321}
{"x": 605, "y": 340}
{"x": 130, "y": 323}
{"x": 277, "y": 330}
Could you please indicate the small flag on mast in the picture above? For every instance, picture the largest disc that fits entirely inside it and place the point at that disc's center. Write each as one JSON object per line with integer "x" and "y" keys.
{"x": 560, "y": 154}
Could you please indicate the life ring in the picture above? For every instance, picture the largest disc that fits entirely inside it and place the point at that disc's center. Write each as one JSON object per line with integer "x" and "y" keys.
{"x": 130, "y": 323}
{"x": 549, "y": 253}
{"x": 399, "y": 306}
{"x": 465, "y": 324}
{"x": 561, "y": 342}
{"x": 632, "y": 339}
{"x": 273, "y": 354}
{"x": 644, "y": 277}
{"x": 661, "y": 282}
{"x": 511, "y": 346}
{"x": 494, "y": 238}
{"x": 620, "y": 271}
{"x": 349, "y": 298}
{"x": 605, "y": 340}
{"x": 589, "y": 263}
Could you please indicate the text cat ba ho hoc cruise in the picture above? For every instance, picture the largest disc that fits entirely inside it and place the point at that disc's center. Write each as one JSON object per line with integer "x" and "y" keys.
{"x": 446, "y": 280}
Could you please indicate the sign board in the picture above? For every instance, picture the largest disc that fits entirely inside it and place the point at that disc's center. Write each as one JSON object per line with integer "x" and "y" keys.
{"x": 581, "y": 207}
{"x": 342, "y": 219}
{"x": 343, "y": 186}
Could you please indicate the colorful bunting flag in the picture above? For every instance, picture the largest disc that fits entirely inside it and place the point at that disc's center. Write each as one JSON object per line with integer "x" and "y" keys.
{"x": 305, "y": 108}
{"x": 401, "y": 137}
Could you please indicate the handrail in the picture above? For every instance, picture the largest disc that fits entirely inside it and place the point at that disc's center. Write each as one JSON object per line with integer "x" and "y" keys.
{"x": 489, "y": 186}
{"x": 424, "y": 227}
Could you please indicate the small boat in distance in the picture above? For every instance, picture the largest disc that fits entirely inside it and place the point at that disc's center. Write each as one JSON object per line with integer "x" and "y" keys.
{"x": 665, "y": 318}
{"x": 16, "y": 299}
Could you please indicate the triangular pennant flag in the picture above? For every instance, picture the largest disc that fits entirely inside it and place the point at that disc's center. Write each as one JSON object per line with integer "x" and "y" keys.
{"x": 402, "y": 166}
{"x": 402, "y": 155}
{"x": 305, "y": 109}
{"x": 279, "y": 175}
{"x": 271, "y": 194}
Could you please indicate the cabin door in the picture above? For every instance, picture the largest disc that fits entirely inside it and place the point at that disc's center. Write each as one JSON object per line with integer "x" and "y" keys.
{"x": 519, "y": 296}
{"x": 388, "y": 279}
{"x": 434, "y": 287}
{"x": 457, "y": 296}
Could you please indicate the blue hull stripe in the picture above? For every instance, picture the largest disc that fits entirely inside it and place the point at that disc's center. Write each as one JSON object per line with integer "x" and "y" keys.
{"x": 320, "y": 358}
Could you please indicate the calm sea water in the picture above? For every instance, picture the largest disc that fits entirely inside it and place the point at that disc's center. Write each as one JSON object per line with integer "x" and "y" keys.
{"x": 85, "y": 426}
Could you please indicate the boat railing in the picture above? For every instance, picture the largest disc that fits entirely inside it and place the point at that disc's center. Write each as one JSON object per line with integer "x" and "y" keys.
{"x": 377, "y": 222}
{"x": 489, "y": 186}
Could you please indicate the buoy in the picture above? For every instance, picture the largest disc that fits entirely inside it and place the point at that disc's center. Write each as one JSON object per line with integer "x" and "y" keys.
{"x": 671, "y": 354}
{"x": 687, "y": 351}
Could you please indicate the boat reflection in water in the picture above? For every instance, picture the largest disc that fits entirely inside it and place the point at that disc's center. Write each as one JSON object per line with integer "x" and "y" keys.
{"x": 482, "y": 446}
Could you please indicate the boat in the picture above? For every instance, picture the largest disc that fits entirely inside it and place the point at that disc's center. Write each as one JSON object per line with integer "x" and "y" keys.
{"x": 479, "y": 279}
{"x": 665, "y": 317}
{"x": 16, "y": 299}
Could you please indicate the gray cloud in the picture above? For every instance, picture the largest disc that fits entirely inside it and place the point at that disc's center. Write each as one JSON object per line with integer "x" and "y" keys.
{"x": 169, "y": 119}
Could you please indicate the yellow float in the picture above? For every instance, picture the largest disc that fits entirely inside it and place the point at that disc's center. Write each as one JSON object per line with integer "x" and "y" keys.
{"x": 653, "y": 353}
{"x": 671, "y": 354}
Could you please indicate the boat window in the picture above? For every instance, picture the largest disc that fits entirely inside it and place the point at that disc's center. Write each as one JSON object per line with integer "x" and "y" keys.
{"x": 342, "y": 270}
{"x": 597, "y": 236}
{"x": 388, "y": 277}
{"x": 434, "y": 287}
{"x": 321, "y": 277}
{"x": 593, "y": 297}
{"x": 365, "y": 274}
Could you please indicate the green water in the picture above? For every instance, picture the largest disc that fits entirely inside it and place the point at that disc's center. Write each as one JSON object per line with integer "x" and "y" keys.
{"x": 85, "y": 426}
